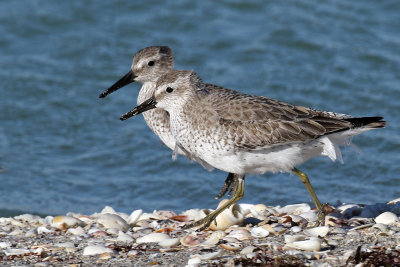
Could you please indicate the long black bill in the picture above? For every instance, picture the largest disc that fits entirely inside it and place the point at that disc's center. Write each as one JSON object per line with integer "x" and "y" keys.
{"x": 127, "y": 79}
{"x": 146, "y": 105}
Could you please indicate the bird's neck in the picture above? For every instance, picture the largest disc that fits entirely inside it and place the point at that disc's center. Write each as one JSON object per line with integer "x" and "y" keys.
{"x": 146, "y": 91}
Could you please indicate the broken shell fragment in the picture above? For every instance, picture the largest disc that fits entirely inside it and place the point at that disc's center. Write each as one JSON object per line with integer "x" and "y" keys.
{"x": 231, "y": 216}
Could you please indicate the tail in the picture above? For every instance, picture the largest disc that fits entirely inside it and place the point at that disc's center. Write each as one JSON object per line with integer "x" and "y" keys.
{"x": 367, "y": 122}
{"x": 343, "y": 137}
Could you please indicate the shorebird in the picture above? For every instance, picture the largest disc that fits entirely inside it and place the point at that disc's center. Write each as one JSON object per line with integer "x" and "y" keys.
{"x": 148, "y": 65}
{"x": 245, "y": 134}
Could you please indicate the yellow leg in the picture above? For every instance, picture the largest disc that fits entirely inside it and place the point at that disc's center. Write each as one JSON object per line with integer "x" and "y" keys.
{"x": 304, "y": 178}
{"x": 238, "y": 194}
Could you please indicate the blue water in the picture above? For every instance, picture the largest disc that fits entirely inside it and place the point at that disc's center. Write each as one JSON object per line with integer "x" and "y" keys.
{"x": 64, "y": 149}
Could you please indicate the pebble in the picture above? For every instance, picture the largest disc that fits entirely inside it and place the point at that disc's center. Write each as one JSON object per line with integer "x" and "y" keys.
{"x": 108, "y": 220}
{"x": 387, "y": 218}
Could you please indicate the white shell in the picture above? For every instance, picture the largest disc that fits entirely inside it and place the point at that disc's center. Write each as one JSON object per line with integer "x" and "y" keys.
{"x": 231, "y": 216}
{"x": 109, "y": 220}
{"x": 210, "y": 256}
{"x": 239, "y": 234}
{"x": 65, "y": 222}
{"x": 293, "y": 238}
{"x": 190, "y": 241}
{"x": 307, "y": 245}
{"x": 16, "y": 251}
{"x": 122, "y": 237}
{"x": 214, "y": 238}
{"x": 310, "y": 216}
{"x": 296, "y": 229}
{"x": 134, "y": 217}
{"x": 152, "y": 238}
{"x": 76, "y": 231}
{"x": 247, "y": 250}
{"x": 96, "y": 249}
{"x": 196, "y": 214}
{"x": 193, "y": 262}
{"x": 296, "y": 209}
{"x": 5, "y": 244}
{"x": 170, "y": 242}
{"x": 108, "y": 210}
{"x": 317, "y": 231}
{"x": 387, "y": 218}
{"x": 259, "y": 232}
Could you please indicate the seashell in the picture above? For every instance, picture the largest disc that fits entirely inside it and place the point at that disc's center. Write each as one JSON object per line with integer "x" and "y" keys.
{"x": 108, "y": 210}
{"x": 209, "y": 256}
{"x": 171, "y": 242}
{"x": 65, "y": 222}
{"x": 48, "y": 220}
{"x": 122, "y": 237}
{"x": 28, "y": 218}
{"x": 105, "y": 256}
{"x": 86, "y": 219}
{"x": 76, "y": 231}
{"x": 5, "y": 244}
{"x": 394, "y": 201}
{"x": 231, "y": 216}
{"x": 96, "y": 249}
{"x": 259, "y": 232}
{"x": 310, "y": 216}
{"x": 166, "y": 230}
{"x": 43, "y": 230}
{"x": 296, "y": 229}
{"x": 31, "y": 233}
{"x": 296, "y": 209}
{"x": 152, "y": 238}
{"x": 214, "y": 238}
{"x": 307, "y": 245}
{"x": 247, "y": 250}
{"x": 112, "y": 231}
{"x": 317, "y": 231}
{"x": 196, "y": 214}
{"x": 16, "y": 252}
{"x": 387, "y": 218}
{"x": 65, "y": 245}
{"x": 180, "y": 218}
{"x": 240, "y": 234}
{"x": 298, "y": 219}
{"x": 232, "y": 246}
{"x": 193, "y": 262}
{"x": 16, "y": 232}
{"x": 38, "y": 251}
{"x": 190, "y": 241}
{"x": 164, "y": 214}
{"x": 108, "y": 220}
{"x": 134, "y": 217}
{"x": 149, "y": 216}
{"x": 293, "y": 238}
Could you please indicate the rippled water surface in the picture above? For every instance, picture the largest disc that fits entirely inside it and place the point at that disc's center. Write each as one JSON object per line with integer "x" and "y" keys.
{"x": 64, "y": 149}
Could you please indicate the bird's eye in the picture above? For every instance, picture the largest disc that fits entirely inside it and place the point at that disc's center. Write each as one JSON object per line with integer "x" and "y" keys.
{"x": 151, "y": 63}
{"x": 169, "y": 89}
